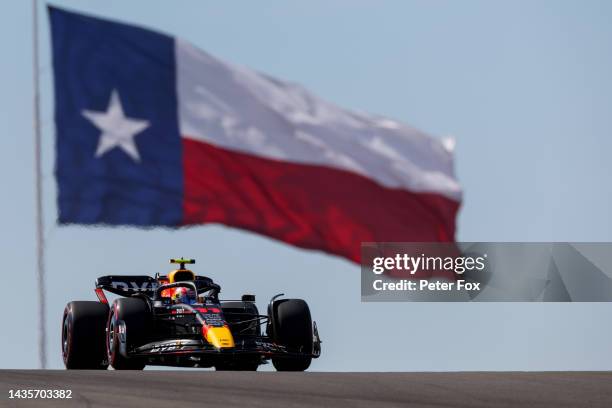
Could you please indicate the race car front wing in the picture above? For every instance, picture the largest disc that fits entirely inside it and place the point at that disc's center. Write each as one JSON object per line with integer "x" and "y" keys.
{"x": 256, "y": 346}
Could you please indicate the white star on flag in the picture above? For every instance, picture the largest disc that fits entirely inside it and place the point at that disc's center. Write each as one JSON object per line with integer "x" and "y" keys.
{"x": 117, "y": 129}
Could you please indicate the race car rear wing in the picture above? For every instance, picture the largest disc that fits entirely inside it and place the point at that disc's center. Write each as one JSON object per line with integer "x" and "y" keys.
{"x": 127, "y": 285}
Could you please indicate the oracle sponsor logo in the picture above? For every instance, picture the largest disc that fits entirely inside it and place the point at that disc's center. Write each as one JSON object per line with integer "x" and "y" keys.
{"x": 137, "y": 286}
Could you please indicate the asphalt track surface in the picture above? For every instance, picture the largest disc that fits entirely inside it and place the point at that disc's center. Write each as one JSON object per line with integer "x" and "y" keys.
{"x": 269, "y": 389}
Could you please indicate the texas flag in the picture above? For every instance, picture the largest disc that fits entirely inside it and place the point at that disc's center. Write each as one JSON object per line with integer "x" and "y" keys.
{"x": 152, "y": 131}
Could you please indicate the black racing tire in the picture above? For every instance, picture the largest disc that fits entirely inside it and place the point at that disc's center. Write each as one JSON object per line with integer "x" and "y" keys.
{"x": 134, "y": 312}
{"x": 292, "y": 327}
{"x": 83, "y": 335}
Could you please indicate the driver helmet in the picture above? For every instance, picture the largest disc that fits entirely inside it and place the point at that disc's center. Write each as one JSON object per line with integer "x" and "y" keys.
{"x": 183, "y": 295}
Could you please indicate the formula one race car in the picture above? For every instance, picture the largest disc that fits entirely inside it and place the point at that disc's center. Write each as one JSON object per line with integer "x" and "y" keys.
{"x": 178, "y": 320}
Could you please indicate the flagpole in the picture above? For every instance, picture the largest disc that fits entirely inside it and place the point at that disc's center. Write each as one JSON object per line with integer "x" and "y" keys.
{"x": 40, "y": 243}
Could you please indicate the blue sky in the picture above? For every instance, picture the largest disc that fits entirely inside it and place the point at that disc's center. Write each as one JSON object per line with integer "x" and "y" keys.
{"x": 523, "y": 86}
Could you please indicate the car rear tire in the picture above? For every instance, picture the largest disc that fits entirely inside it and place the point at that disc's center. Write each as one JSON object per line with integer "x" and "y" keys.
{"x": 134, "y": 313}
{"x": 292, "y": 327}
{"x": 83, "y": 325}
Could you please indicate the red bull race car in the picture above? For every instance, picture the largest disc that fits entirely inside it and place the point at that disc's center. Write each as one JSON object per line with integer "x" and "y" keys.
{"x": 178, "y": 320}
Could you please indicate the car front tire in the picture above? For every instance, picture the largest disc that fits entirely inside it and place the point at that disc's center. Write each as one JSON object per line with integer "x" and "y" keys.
{"x": 291, "y": 326}
{"x": 134, "y": 313}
